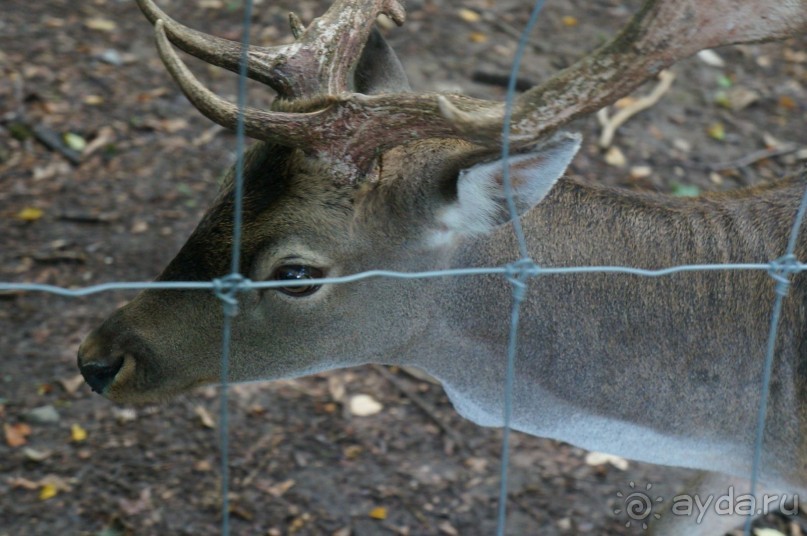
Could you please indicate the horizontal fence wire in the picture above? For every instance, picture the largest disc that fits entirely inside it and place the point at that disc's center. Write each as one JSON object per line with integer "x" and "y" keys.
{"x": 245, "y": 284}
{"x": 517, "y": 273}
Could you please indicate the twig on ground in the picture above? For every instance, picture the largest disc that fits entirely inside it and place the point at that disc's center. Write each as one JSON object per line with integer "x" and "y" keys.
{"x": 753, "y": 158}
{"x": 424, "y": 406}
{"x": 51, "y": 140}
{"x": 611, "y": 124}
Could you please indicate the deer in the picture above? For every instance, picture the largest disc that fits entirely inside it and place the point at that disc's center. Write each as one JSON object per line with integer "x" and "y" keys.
{"x": 354, "y": 171}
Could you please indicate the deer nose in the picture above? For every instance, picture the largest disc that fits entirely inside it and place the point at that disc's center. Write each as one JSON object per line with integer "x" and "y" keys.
{"x": 100, "y": 375}
{"x": 98, "y": 370}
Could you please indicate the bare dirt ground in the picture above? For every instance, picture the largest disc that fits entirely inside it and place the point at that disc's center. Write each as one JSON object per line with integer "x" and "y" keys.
{"x": 300, "y": 462}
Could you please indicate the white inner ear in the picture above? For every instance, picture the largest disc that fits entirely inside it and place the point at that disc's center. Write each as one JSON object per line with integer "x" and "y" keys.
{"x": 481, "y": 204}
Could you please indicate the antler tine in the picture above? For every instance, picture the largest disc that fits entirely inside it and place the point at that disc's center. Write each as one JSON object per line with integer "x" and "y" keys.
{"x": 340, "y": 35}
{"x": 320, "y": 62}
{"x": 278, "y": 127}
{"x": 663, "y": 32}
{"x": 215, "y": 50}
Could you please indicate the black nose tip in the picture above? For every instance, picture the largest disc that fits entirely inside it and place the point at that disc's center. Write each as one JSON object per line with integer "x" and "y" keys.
{"x": 100, "y": 375}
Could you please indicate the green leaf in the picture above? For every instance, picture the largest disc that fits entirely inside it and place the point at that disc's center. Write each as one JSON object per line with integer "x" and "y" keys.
{"x": 74, "y": 141}
{"x": 724, "y": 81}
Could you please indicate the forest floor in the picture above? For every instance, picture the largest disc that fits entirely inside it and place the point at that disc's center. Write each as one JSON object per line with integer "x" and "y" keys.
{"x": 301, "y": 463}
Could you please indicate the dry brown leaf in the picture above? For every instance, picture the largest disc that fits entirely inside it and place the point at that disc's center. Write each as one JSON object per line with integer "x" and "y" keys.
{"x": 100, "y": 24}
{"x": 446, "y": 528}
{"x": 16, "y": 434}
{"x": 469, "y": 15}
{"x": 204, "y": 417}
{"x": 278, "y": 490}
{"x": 24, "y": 483}
{"x": 615, "y": 157}
{"x": 787, "y": 102}
{"x": 478, "y": 37}
{"x": 71, "y": 385}
{"x": 137, "y": 506}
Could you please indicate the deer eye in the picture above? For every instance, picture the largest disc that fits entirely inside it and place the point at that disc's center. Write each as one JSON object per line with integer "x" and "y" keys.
{"x": 297, "y": 272}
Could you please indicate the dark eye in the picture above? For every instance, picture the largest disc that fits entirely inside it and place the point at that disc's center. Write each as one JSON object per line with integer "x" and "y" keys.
{"x": 295, "y": 272}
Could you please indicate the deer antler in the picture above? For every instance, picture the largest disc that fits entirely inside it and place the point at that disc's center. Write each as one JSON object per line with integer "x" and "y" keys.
{"x": 662, "y": 33}
{"x": 321, "y": 114}
{"x": 320, "y": 60}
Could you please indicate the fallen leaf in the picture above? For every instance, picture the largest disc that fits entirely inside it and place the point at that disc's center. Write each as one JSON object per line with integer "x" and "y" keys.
{"x": 769, "y": 141}
{"x": 478, "y": 37}
{"x": 468, "y": 15}
{"x": 16, "y": 434}
{"x": 35, "y": 455}
{"x": 30, "y": 214}
{"x": 202, "y": 466}
{"x": 336, "y": 387}
{"x": 100, "y": 24}
{"x": 739, "y": 98}
{"x": 615, "y": 157}
{"x": 600, "y": 458}
{"x": 93, "y": 100}
{"x": 48, "y": 491}
{"x": 137, "y": 506}
{"x": 74, "y": 141}
{"x": 787, "y": 102}
{"x": 794, "y": 56}
{"x": 569, "y": 21}
{"x": 204, "y": 417}
{"x": 279, "y": 489}
{"x": 351, "y": 452}
{"x": 379, "y": 512}
{"x": 446, "y": 528}
{"x": 124, "y": 415}
{"x": 364, "y": 405}
{"x": 767, "y": 532}
{"x": 71, "y": 385}
{"x": 711, "y": 58}
{"x": 24, "y": 483}
{"x": 77, "y": 433}
{"x": 105, "y": 137}
{"x": 640, "y": 172}
{"x": 717, "y": 131}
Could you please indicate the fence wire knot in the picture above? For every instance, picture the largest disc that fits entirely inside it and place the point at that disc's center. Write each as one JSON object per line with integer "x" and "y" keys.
{"x": 517, "y": 274}
{"x": 781, "y": 269}
{"x": 227, "y": 288}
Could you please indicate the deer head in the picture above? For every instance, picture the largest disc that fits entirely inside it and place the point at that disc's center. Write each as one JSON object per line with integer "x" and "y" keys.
{"x": 354, "y": 172}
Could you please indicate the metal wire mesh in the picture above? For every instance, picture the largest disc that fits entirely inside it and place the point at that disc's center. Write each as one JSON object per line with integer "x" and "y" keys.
{"x": 517, "y": 273}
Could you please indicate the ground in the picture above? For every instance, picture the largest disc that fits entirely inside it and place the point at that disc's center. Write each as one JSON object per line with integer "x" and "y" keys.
{"x": 301, "y": 462}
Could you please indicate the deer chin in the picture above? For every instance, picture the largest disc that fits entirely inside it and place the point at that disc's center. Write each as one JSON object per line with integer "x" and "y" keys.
{"x": 125, "y": 389}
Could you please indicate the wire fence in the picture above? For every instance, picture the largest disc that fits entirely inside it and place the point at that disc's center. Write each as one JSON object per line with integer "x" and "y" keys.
{"x": 518, "y": 273}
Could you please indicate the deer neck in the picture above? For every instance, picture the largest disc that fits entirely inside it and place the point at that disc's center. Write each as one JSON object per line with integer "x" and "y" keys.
{"x": 609, "y": 351}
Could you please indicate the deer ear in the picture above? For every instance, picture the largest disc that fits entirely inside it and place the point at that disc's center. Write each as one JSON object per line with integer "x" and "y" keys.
{"x": 480, "y": 203}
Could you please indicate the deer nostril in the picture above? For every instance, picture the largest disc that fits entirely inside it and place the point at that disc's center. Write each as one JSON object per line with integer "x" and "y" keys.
{"x": 100, "y": 375}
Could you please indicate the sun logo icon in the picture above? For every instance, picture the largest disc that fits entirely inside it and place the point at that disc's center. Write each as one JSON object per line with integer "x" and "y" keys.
{"x": 638, "y": 505}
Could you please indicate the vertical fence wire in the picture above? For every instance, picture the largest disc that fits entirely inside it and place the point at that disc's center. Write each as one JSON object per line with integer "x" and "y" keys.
{"x": 517, "y": 274}
{"x": 781, "y": 271}
{"x": 228, "y": 288}
{"x": 519, "y": 281}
